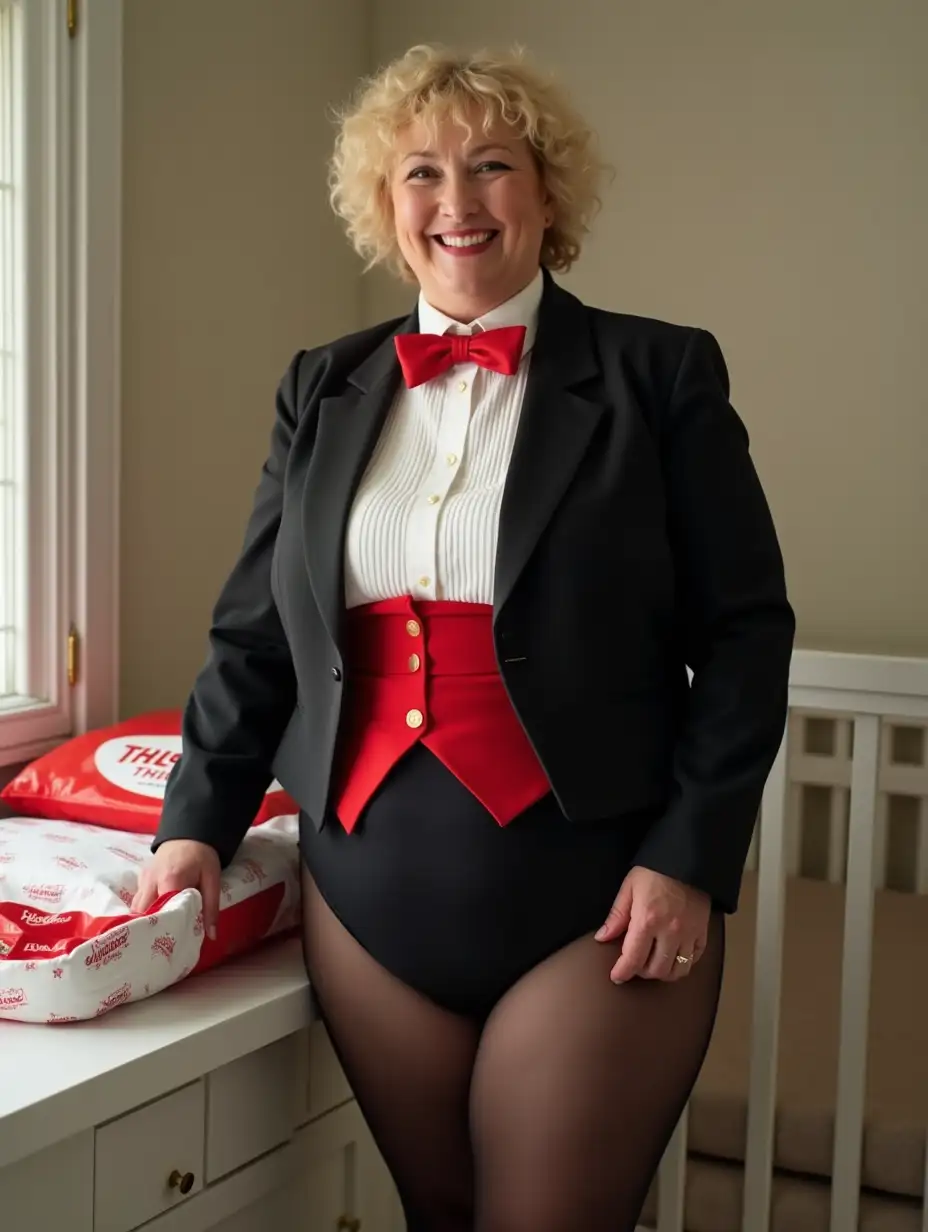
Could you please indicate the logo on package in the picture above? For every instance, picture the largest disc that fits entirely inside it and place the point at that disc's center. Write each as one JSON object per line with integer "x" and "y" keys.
{"x": 108, "y": 948}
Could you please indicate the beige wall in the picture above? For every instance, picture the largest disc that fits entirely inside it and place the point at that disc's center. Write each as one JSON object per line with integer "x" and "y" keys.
{"x": 231, "y": 263}
{"x": 772, "y": 188}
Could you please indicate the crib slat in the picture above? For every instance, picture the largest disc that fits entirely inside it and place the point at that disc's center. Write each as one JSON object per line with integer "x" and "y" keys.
{"x": 765, "y": 1029}
{"x": 837, "y": 847}
{"x": 837, "y": 835}
{"x": 925, "y": 1192}
{"x": 921, "y": 868}
{"x": 881, "y": 840}
{"x": 671, "y": 1180}
{"x": 795, "y": 822}
{"x": 855, "y": 975}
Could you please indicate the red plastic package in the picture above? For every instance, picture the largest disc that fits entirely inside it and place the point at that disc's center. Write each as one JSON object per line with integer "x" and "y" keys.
{"x": 115, "y": 777}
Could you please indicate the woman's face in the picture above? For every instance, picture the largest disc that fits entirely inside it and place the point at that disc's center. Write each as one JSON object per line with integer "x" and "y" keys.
{"x": 470, "y": 213}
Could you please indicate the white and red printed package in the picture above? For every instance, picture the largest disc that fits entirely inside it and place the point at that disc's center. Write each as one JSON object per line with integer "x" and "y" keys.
{"x": 71, "y": 949}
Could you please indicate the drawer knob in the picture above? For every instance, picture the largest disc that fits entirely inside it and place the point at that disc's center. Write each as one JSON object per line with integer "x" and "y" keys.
{"x": 348, "y": 1225}
{"x": 181, "y": 1180}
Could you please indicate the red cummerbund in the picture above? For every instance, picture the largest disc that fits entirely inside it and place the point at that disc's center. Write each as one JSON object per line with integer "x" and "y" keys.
{"x": 426, "y": 670}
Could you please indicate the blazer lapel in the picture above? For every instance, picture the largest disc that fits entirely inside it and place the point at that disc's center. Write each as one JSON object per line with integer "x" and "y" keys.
{"x": 555, "y": 429}
{"x": 349, "y": 426}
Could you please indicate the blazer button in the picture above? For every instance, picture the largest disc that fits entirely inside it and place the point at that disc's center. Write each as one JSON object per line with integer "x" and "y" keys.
{"x": 336, "y": 674}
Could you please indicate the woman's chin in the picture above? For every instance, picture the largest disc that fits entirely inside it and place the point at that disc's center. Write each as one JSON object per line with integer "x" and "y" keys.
{"x": 475, "y": 273}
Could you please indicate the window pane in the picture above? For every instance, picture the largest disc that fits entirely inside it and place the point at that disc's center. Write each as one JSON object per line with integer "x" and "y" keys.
{"x": 12, "y": 536}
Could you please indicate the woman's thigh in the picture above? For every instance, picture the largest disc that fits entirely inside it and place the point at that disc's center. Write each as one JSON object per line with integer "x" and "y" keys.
{"x": 409, "y": 1064}
{"x": 578, "y": 1084}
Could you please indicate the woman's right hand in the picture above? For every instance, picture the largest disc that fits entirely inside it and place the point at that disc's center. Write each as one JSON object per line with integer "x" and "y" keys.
{"x": 182, "y": 864}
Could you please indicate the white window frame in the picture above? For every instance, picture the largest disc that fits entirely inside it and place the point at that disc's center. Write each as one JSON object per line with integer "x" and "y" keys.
{"x": 73, "y": 164}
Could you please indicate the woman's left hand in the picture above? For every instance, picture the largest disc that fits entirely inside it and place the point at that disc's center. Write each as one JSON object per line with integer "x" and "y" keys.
{"x": 661, "y": 918}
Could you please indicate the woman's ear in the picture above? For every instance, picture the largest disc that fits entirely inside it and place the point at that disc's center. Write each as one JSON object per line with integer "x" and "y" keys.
{"x": 550, "y": 212}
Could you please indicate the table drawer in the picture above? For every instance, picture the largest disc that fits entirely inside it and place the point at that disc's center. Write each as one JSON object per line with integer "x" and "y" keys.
{"x": 149, "y": 1160}
{"x": 51, "y": 1189}
{"x": 251, "y": 1106}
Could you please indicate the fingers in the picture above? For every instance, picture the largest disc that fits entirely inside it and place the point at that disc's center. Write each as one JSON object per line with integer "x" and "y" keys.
{"x": 664, "y": 922}
{"x": 180, "y": 865}
{"x": 650, "y": 952}
{"x": 636, "y": 952}
{"x": 693, "y": 952}
{"x": 662, "y": 964}
{"x": 668, "y": 943}
{"x": 146, "y": 893}
{"x": 679, "y": 970}
{"x": 651, "y": 957}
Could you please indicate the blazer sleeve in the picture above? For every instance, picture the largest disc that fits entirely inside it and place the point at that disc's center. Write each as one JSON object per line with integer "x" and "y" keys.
{"x": 736, "y": 628}
{"x": 245, "y": 693}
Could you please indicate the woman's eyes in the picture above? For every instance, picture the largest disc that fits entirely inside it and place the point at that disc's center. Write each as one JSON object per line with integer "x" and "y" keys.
{"x": 430, "y": 172}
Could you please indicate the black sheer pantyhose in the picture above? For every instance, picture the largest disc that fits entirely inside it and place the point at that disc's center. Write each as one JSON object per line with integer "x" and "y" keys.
{"x": 409, "y": 1064}
{"x": 549, "y": 1115}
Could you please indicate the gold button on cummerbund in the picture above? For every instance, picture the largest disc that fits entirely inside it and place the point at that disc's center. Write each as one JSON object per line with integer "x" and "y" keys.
{"x": 414, "y": 718}
{"x": 412, "y": 628}
{"x": 414, "y": 662}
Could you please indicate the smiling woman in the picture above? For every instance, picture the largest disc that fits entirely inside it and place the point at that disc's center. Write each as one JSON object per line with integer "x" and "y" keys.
{"x": 490, "y": 539}
{"x": 469, "y": 226}
{"x": 494, "y": 132}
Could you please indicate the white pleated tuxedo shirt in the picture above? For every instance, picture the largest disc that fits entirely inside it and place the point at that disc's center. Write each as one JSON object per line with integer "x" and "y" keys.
{"x": 425, "y": 518}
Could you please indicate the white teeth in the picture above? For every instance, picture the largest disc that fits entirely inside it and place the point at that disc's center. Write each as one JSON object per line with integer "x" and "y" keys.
{"x": 466, "y": 241}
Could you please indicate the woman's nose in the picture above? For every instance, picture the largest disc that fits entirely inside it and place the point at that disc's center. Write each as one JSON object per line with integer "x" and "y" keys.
{"x": 458, "y": 199}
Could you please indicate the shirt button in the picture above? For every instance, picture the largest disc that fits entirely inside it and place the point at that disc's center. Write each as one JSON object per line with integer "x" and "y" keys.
{"x": 425, "y": 582}
{"x": 434, "y": 499}
{"x": 414, "y": 718}
{"x": 462, "y": 386}
{"x": 451, "y": 459}
{"x": 412, "y": 628}
{"x": 336, "y": 674}
{"x": 414, "y": 662}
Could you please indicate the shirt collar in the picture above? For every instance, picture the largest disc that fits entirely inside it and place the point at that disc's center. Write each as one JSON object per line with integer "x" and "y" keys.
{"x": 522, "y": 309}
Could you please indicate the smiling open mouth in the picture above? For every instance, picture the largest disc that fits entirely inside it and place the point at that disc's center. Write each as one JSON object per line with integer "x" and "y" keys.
{"x": 478, "y": 240}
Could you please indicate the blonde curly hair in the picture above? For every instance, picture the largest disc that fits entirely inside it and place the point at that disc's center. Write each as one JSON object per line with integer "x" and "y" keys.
{"x": 430, "y": 84}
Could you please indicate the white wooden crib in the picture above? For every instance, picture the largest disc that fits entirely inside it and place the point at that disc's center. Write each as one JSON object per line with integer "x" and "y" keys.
{"x": 811, "y": 1111}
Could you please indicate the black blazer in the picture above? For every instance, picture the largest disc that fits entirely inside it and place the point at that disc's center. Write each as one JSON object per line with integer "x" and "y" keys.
{"x": 635, "y": 540}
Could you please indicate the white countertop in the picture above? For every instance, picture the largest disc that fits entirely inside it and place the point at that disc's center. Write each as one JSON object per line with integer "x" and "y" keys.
{"x": 58, "y": 1080}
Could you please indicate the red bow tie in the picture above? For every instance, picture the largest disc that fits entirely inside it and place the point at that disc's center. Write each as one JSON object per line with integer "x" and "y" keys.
{"x": 424, "y": 356}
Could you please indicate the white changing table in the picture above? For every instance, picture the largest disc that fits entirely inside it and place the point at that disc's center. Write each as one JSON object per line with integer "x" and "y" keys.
{"x": 216, "y": 1105}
